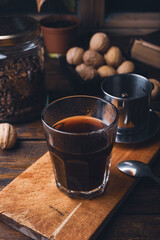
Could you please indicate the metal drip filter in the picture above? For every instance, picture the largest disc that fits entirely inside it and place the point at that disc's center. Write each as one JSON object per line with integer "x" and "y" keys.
{"x": 130, "y": 93}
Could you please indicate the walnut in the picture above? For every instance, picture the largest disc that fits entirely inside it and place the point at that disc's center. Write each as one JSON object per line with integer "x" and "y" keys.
{"x": 126, "y": 67}
{"x": 8, "y": 136}
{"x": 155, "y": 94}
{"x": 75, "y": 55}
{"x": 99, "y": 42}
{"x": 86, "y": 72}
{"x": 113, "y": 56}
{"x": 93, "y": 58}
{"x": 105, "y": 71}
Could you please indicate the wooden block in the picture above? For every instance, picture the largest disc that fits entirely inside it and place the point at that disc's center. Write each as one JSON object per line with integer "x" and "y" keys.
{"x": 146, "y": 52}
{"x": 33, "y": 205}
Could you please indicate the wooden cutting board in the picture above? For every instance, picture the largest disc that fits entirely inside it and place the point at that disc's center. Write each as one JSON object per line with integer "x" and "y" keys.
{"x": 33, "y": 205}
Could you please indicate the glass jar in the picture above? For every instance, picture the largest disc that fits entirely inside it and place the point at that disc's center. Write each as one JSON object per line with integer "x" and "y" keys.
{"x": 22, "y": 85}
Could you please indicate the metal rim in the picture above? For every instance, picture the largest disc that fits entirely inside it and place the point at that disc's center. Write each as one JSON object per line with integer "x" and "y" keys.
{"x": 121, "y": 98}
{"x": 18, "y": 29}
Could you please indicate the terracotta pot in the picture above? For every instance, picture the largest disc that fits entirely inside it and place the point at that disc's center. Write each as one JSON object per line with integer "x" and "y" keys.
{"x": 59, "y": 33}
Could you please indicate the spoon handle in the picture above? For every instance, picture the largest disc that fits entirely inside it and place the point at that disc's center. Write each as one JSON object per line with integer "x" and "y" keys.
{"x": 157, "y": 179}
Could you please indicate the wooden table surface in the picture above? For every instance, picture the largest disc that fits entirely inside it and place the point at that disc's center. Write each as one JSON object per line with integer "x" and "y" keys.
{"x": 137, "y": 218}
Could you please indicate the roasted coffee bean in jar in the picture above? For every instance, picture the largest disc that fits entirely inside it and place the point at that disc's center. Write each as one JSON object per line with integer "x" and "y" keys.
{"x": 22, "y": 85}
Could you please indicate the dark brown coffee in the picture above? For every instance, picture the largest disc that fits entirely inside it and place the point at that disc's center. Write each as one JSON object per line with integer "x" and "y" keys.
{"x": 79, "y": 124}
{"x": 80, "y": 171}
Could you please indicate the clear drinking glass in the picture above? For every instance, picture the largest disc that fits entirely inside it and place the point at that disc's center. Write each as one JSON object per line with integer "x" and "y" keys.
{"x": 80, "y": 133}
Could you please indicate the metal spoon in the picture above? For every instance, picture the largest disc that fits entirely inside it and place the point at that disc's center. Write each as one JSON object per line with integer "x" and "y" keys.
{"x": 137, "y": 169}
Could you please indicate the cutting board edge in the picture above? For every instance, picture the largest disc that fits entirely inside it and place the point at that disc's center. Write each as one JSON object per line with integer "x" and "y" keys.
{"x": 21, "y": 228}
{"x": 107, "y": 219}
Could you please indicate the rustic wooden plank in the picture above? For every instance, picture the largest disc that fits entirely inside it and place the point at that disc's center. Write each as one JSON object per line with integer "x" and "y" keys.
{"x": 23, "y": 151}
{"x": 56, "y": 80}
{"x": 133, "y": 20}
{"x": 17, "y": 159}
{"x": 132, "y": 227}
{"x": 146, "y": 196}
{"x": 138, "y": 226}
{"x": 8, "y": 233}
{"x": 135, "y": 227}
{"x": 40, "y": 215}
{"x": 30, "y": 130}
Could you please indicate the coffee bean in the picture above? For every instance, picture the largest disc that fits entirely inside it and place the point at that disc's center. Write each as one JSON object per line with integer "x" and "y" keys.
{"x": 22, "y": 91}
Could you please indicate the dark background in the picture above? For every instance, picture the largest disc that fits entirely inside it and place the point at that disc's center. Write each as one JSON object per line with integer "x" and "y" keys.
{"x": 55, "y": 6}
{"x": 30, "y": 6}
{"x": 132, "y": 6}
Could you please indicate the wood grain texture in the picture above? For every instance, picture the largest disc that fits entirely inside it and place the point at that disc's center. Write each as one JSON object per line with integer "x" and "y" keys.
{"x": 30, "y": 130}
{"x": 9, "y": 233}
{"x": 138, "y": 226}
{"x": 43, "y": 212}
{"x": 56, "y": 80}
{"x": 16, "y": 160}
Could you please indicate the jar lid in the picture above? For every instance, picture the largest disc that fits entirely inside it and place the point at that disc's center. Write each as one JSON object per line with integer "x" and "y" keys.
{"x": 17, "y": 29}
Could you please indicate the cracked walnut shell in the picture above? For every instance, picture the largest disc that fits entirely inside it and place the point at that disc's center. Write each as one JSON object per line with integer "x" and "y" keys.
{"x": 8, "y": 136}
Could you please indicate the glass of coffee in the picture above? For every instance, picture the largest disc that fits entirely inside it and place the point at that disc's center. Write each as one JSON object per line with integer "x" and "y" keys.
{"x": 80, "y": 133}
